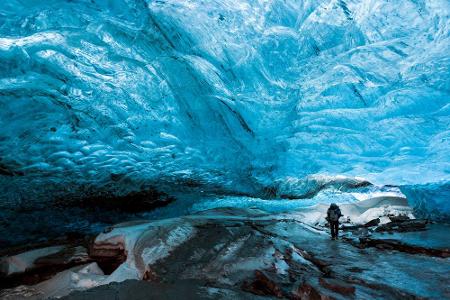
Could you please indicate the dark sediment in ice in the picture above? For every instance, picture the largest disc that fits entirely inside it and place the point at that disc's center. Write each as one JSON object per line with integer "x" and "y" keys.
{"x": 71, "y": 216}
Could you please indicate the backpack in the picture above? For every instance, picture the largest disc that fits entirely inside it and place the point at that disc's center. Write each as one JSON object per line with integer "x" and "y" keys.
{"x": 334, "y": 214}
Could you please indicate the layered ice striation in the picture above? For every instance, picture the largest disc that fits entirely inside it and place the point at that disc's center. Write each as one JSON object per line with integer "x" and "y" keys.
{"x": 244, "y": 97}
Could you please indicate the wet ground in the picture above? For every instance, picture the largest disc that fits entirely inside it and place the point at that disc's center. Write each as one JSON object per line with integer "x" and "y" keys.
{"x": 243, "y": 253}
{"x": 436, "y": 236}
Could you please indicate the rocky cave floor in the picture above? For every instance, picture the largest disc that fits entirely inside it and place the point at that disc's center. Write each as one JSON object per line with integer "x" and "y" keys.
{"x": 383, "y": 253}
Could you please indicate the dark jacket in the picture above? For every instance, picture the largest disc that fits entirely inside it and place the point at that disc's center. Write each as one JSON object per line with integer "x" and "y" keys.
{"x": 333, "y": 213}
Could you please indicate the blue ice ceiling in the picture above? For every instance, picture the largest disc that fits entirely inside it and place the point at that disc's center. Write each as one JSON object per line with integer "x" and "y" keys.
{"x": 230, "y": 95}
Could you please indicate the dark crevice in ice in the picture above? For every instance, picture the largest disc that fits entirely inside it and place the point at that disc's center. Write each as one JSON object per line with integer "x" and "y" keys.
{"x": 39, "y": 222}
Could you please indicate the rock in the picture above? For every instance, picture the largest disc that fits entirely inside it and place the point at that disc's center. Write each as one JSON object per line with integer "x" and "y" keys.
{"x": 403, "y": 226}
{"x": 67, "y": 256}
{"x": 151, "y": 276}
{"x": 37, "y": 265}
{"x": 262, "y": 286}
{"x": 109, "y": 254}
{"x": 390, "y": 244}
{"x": 78, "y": 277}
{"x": 306, "y": 291}
{"x": 25, "y": 261}
{"x": 337, "y": 286}
{"x": 399, "y": 218}
{"x": 372, "y": 223}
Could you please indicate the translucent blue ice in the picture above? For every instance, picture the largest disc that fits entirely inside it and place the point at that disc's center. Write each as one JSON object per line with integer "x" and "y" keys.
{"x": 238, "y": 96}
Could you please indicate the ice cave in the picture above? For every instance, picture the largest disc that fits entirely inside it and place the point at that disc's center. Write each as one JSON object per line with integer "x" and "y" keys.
{"x": 191, "y": 149}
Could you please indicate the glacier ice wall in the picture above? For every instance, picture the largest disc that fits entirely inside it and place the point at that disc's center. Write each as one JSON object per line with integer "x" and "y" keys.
{"x": 227, "y": 95}
{"x": 429, "y": 200}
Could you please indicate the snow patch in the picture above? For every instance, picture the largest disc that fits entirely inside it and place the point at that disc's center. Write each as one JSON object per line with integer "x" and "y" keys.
{"x": 21, "y": 262}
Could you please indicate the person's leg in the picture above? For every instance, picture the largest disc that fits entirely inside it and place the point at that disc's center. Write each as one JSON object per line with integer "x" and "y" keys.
{"x": 336, "y": 229}
{"x": 332, "y": 229}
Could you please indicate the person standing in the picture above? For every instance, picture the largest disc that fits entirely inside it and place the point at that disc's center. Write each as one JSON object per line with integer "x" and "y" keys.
{"x": 333, "y": 215}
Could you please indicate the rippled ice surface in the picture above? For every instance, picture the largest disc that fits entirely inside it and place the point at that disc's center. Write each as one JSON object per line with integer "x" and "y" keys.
{"x": 236, "y": 95}
{"x": 267, "y": 99}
